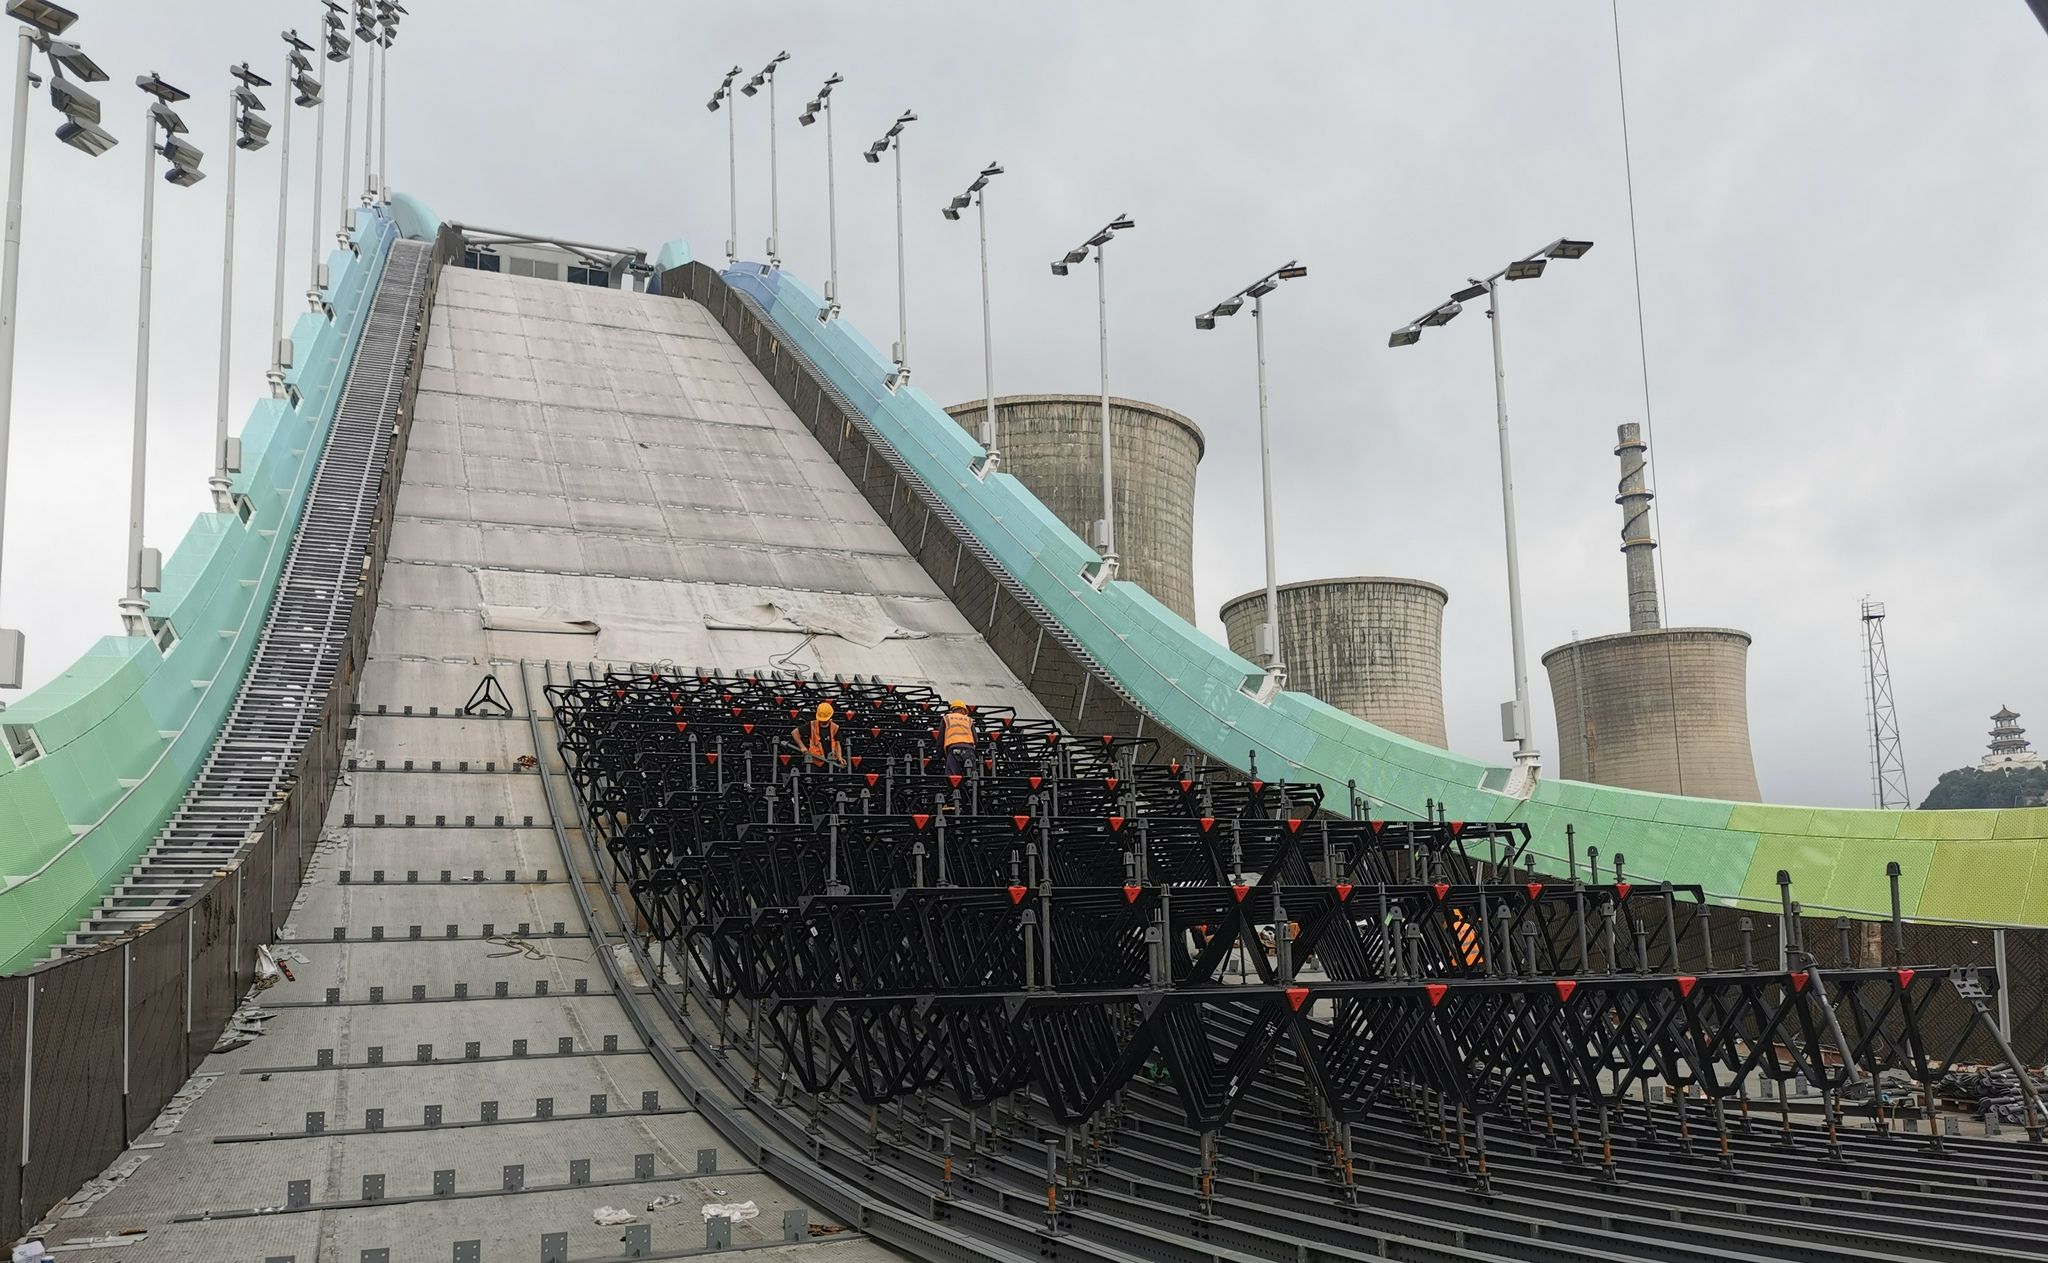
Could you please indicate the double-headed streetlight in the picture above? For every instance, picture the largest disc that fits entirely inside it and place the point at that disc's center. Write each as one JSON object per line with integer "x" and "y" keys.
{"x": 977, "y": 196}
{"x": 145, "y": 565}
{"x": 336, "y": 33}
{"x": 42, "y": 23}
{"x": 247, "y": 129}
{"x": 1267, "y": 639}
{"x": 305, "y": 89}
{"x": 732, "y": 162}
{"x": 1105, "y": 529}
{"x": 1515, "y": 714}
{"x": 766, "y": 77}
{"x": 822, "y": 104}
{"x": 892, "y": 140}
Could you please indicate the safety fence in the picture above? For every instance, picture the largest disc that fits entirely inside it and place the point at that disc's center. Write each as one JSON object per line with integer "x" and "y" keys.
{"x": 94, "y": 1046}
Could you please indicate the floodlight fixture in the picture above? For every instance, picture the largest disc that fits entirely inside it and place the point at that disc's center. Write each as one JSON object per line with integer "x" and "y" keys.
{"x": 50, "y": 19}
{"x": 809, "y": 116}
{"x": 1292, "y": 272}
{"x": 1262, "y": 288}
{"x": 1470, "y": 292}
{"x": 335, "y": 22}
{"x": 1059, "y": 269}
{"x": 299, "y": 63}
{"x": 1526, "y": 269}
{"x": 1206, "y": 320}
{"x": 1079, "y": 254}
{"x": 255, "y": 132}
{"x": 184, "y": 177}
{"x": 875, "y": 151}
{"x": 74, "y": 102}
{"x": 153, "y": 84}
{"x": 1566, "y": 248}
{"x": 308, "y": 90}
{"x": 298, "y": 45}
{"x": 181, "y": 152}
{"x": 831, "y": 81}
{"x": 86, "y": 138}
{"x": 1407, "y": 335}
{"x": 72, "y": 59}
{"x": 724, "y": 89}
{"x": 167, "y": 118}
{"x": 1442, "y": 315}
{"x": 247, "y": 100}
{"x": 249, "y": 78}
{"x": 1228, "y": 307}
{"x": 337, "y": 48}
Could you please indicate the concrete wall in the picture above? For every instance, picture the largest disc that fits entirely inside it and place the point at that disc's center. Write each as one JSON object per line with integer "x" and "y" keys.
{"x": 1666, "y": 711}
{"x": 1053, "y": 445}
{"x": 1370, "y": 646}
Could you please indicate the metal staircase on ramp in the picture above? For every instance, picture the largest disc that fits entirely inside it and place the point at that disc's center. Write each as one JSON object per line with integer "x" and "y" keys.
{"x": 303, "y": 636}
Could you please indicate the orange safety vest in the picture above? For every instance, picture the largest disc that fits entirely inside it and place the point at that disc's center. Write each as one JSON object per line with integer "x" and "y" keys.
{"x": 1468, "y": 939}
{"x": 958, "y": 729}
{"x": 823, "y": 737}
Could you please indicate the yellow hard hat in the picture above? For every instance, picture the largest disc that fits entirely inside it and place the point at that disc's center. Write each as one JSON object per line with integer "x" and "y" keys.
{"x": 824, "y": 710}
{"x": 958, "y": 704}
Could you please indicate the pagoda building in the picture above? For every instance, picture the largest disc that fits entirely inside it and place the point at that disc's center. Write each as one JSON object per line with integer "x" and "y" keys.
{"x": 2009, "y": 749}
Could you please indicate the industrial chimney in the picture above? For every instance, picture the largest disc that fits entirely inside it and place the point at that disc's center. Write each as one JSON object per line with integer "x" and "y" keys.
{"x": 1637, "y": 543}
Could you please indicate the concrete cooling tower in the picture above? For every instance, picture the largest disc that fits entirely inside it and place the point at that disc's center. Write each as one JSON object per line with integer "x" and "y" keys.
{"x": 1369, "y": 646}
{"x": 1654, "y": 708}
{"x": 1053, "y": 445}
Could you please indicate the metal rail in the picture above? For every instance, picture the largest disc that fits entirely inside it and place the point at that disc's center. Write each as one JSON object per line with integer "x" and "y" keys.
{"x": 304, "y": 634}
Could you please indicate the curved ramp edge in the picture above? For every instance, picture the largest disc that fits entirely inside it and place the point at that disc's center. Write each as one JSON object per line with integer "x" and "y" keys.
{"x": 1976, "y": 866}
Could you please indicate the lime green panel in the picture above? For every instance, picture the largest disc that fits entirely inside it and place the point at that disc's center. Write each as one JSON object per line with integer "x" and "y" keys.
{"x": 1985, "y": 881}
{"x": 1859, "y": 881}
{"x": 1961, "y": 825}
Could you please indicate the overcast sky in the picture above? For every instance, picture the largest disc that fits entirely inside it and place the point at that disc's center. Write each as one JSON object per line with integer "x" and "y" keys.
{"x": 1844, "y": 267}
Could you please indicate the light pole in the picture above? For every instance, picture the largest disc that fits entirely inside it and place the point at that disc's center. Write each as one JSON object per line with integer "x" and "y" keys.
{"x": 732, "y": 162}
{"x": 348, "y": 121}
{"x": 367, "y": 32}
{"x": 42, "y": 24}
{"x": 977, "y": 194}
{"x": 1515, "y": 714}
{"x": 145, "y": 565}
{"x": 1268, "y": 637}
{"x": 822, "y": 104}
{"x": 390, "y": 11}
{"x": 306, "y": 92}
{"x": 337, "y": 51}
{"x": 900, "y": 353}
{"x": 1105, "y": 530}
{"x": 246, "y": 130}
{"x": 767, "y": 76}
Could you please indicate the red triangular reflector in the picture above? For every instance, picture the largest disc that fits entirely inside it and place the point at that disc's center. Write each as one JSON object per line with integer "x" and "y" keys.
{"x": 682, "y": 725}
{"x": 1799, "y": 980}
{"x": 1008, "y": 720}
{"x": 784, "y": 758}
{"x": 1106, "y": 738}
{"x": 711, "y": 756}
{"x": 1186, "y": 785}
{"x": 736, "y": 712}
{"x": 1017, "y": 893}
{"x": 1294, "y": 826}
{"x": 1535, "y": 889}
{"x": 872, "y": 778}
{"x": 1036, "y": 781}
{"x": 1240, "y": 891}
{"x": 1565, "y": 987}
{"x": 618, "y": 692}
{"x": 747, "y": 728}
{"x": 1621, "y": 889}
{"x": 1174, "y": 767}
{"x": 1686, "y": 982}
{"x": 1457, "y": 827}
{"x": 1296, "y": 997}
{"x": 919, "y": 818}
{"x": 1208, "y": 823}
{"x": 855, "y": 760}
{"x": 1442, "y": 888}
{"x": 1052, "y": 736}
{"x": 1115, "y": 823}
{"x": 902, "y": 716}
{"x": 1905, "y": 977}
{"x": 953, "y": 779}
{"x": 875, "y": 731}
{"x": 1021, "y": 822}
{"x": 1343, "y": 891}
{"x": 1377, "y": 825}
{"x": 1436, "y": 991}
{"x": 1258, "y": 787}
{"x": 1131, "y": 893}
{"x": 1109, "y": 782}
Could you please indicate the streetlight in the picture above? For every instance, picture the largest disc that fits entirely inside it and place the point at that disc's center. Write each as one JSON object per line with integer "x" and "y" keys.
{"x": 305, "y": 93}
{"x": 145, "y": 565}
{"x": 42, "y": 24}
{"x": 767, "y": 76}
{"x": 1267, "y": 639}
{"x": 900, "y": 353}
{"x": 390, "y": 11}
{"x": 977, "y": 195}
{"x": 1105, "y": 529}
{"x": 822, "y": 104}
{"x": 732, "y": 164}
{"x": 1515, "y": 714}
{"x": 337, "y": 50}
{"x": 246, "y": 130}
{"x": 363, "y": 34}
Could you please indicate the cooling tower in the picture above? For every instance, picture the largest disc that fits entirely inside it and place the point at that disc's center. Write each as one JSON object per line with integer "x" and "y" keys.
{"x": 1053, "y": 444}
{"x": 1370, "y": 646}
{"x": 1663, "y": 709}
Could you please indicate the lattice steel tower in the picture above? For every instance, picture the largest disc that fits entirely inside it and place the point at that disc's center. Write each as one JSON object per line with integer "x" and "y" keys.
{"x": 1887, "y": 756}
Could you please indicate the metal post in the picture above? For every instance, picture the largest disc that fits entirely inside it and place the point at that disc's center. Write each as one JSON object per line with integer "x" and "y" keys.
{"x": 369, "y": 122}
{"x": 992, "y": 458}
{"x": 774, "y": 181}
{"x": 2004, "y": 983}
{"x": 1108, "y": 567}
{"x": 831, "y": 220}
{"x": 348, "y": 126}
{"x": 219, "y": 481}
{"x": 1527, "y": 759}
{"x": 902, "y": 373}
{"x": 732, "y": 178}
{"x": 384, "y": 128}
{"x": 275, "y": 374}
{"x": 1274, "y": 666}
{"x": 10, "y": 276}
{"x": 314, "y": 297}
{"x": 134, "y": 605}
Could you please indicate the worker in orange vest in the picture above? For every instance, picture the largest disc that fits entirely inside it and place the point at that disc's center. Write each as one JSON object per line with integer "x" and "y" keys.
{"x": 821, "y": 742}
{"x": 956, "y": 737}
{"x": 1468, "y": 938}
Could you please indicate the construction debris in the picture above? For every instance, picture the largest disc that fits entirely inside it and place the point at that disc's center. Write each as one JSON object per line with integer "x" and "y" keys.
{"x": 735, "y": 1211}
{"x": 612, "y": 1216}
